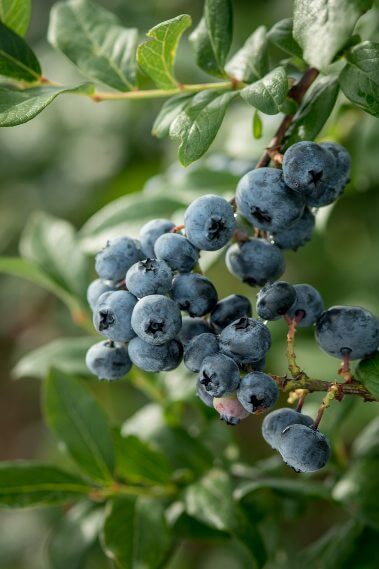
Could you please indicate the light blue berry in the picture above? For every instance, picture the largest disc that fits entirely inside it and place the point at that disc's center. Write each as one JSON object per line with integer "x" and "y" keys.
{"x": 112, "y": 315}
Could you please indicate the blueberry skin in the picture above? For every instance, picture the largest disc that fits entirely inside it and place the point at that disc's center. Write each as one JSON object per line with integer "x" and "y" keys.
{"x": 198, "y": 349}
{"x": 230, "y": 409}
{"x": 255, "y": 261}
{"x": 209, "y": 222}
{"x": 308, "y": 300}
{"x": 298, "y": 234}
{"x": 194, "y": 293}
{"x": 264, "y": 199}
{"x": 275, "y": 422}
{"x": 275, "y": 299}
{"x": 155, "y": 358}
{"x": 156, "y": 319}
{"x": 177, "y": 251}
{"x": 303, "y": 448}
{"x": 117, "y": 257}
{"x": 203, "y": 394}
{"x": 151, "y": 276}
{"x": 246, "y": 340}
{"x": 192, "y": 327}
{"x": 342, "y": 158}
{"x": 96, "y": 289}
{"x": 229, "y": 309}
{"x": 219, "y": 374}
{"x": 348, "y": 328}
{"x": 257, "y": 392}
{"x": 150, "y": 232}
{"x": 113, "y": 313}
{"x": 108, "y": 361}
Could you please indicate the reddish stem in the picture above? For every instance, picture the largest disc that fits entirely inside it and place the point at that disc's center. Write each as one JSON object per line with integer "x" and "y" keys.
{"x": 177, "y": 228}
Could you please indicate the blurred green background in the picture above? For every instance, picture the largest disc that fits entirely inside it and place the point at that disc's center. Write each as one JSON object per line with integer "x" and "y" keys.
{"x": 78, "y": 156}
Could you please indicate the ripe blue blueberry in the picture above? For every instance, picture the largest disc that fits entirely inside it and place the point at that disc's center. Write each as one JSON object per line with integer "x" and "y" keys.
{"x": 112, "y": 315}
{"x": 156, "y": 319}
{"x": 117, "y": 257}
{"x": 230, "y": 409}
{"x": 255, "y": 261}
{"x": 257, "y": 392}
{"x": 192, "y": 327}
{"x": 198, "y": 349}
{"x": 342, "y": 158}
{"x": 298, "y": 234}
{"x": 219, "y": 374}
{"x": 275, "y": 299}
{"x": 348, "y": 329}
{"x": 204, "y": 395}
{"x": 96, "y": 289}
{"x": 230, "y": 309}
{"x": 148, "y": 357}
{"x": 108, "y": 360}
{"x": 151, "y": 231}
{"x": 151, "y": 276}
{"x": 177, "y": 251}
{"x": 303, "y": 448}
{"x": 264, "y": 199}
{"x": 194, "y": 293}
{"x": 209, "y": 222}
{"x": 308, "y": 304}
{"x": 246, "y": 340}
{"x": 275, "y": 422}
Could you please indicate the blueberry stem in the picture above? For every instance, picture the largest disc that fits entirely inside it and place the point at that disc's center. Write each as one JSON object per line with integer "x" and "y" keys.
{"x": 293, "y": 366}
{"x": 177, "y": 228}
{"x": 330, "y": 395}
{"x": 313, "y": 385}
{"x": 344, "y": 370}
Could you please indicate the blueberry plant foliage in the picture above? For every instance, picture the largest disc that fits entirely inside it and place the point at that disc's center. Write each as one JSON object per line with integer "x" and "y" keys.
{"x": 168, "y": 474}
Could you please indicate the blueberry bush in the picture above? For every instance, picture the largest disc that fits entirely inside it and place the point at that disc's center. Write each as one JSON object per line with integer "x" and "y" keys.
{"x": 139, "y": 279}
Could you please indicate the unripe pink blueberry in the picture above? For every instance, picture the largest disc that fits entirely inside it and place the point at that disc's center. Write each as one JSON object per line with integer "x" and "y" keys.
{"x": 230, "y": 409}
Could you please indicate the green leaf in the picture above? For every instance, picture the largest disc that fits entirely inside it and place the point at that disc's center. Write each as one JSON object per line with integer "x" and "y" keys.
{"x": 186, "y": 527}
{"x": 322, "y": 27}
{"x": 96, "y": 42}
{"x": 257, "y": 126}
{"x": 24, "y": 484}
{"x": 198, "y": 123}
{"x": 156, "y": 56}
{"x": 138, "y": 462}
{"x": 80, "y": 424}
{"x": 268, "y": 94}
{"x": 367, "y": 372}
{"x": 168, "y": 113}
{"x": 212, "y": 38}
{"x": 18, "y": 106}
{"x": 285, "y": 487}
{"x": 367, "y": 443}
{"x": 250, "y": 63}
{"x": 281, "y": 35}
{"x": 17, "y": 60}
{"x": 359, "y": 79}
{"x": 75, "y": 534}
{"x": 16, "y": 15}
{"x": 135, "y": 533}
{"x": 314, "y": 111}
{"x": 66, "y": 354}
{"x": 52, "y": 244}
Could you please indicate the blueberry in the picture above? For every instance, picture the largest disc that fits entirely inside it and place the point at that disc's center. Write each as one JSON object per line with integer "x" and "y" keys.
{"x": 151, "y": 231}
{"x": 209, "y": 222}
{"x": 108, "y": 360}
{"x": 275, "y": 422}
{"x": 204, "y": 395}
{"x": 113, "y": 313}
{"x": 194, "y": 293}
{"x": 156, "y": 319}
{"x": 219, "y": 374}
{"x": 151, "y": 276}
{"x": 264, "y": 199}
{"x": 308, "y": 302}
{"x": 164, "y": 357}
{"x": 257, "y": 392}
{"x": 192, "y": 327}
{"x": 96, "y": 289}
{"x": 230, "y": 409}
{"x": 298, "y": 234}
{"x": 348, "y": 329}
{"x": 342, "y": 158}
{"x": 303, "y": 448}
{"x": 246, "y": 340}
{"x": 199, "y": 348}
{"x": 230, "y": 309}
{"x": 275, "y": 299}
{"x": 177, "y": 251}
{"x": 117, "y": 257}
{"x": 255, "y": 261}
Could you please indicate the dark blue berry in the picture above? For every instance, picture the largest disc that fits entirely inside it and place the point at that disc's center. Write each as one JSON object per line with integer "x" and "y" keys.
{"x": 275, "y": 299}
{"x": 203, "y": 394}
{"x": 192, "y": 327}
{"x": 108, "y": 360}
{"x": 209, "y": 222}
{"x": 151, "y": 276}
{"x": 112, "y": 315}
{"x": 194, "y": 293}
{"x": 246, "y": 340}
{"x": 257, "y": 392}
{"x": 275, "y": 422}
{"x": 198, "y": 349}
{"x": 303, "y": 448}
{"x": 156, "y": 319}
{"x": 177, "y": 251}
{"x": 298, "y": 234}
{"x": 219, "y": 374}
{"x": 308, "y": 305}
{"x": 255, "y": 261}
{"x": 151, "y": 231}
{"x": 148, "y": 357}
{"x": 229, "y": 309}
{"x": 116, "y": 258}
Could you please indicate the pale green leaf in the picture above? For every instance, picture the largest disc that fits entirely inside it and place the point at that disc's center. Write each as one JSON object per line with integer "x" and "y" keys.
{"x": 257, "y": 125}
{"x": 282, "y": 36}
{"x": 367, "y": 372}
{"x": 168, "y": 113}
{"x": 250, "y": 63}
{"x": 17, "y": 59}
{"x": 268, "y": 94}
{"x": 16, "y": 15}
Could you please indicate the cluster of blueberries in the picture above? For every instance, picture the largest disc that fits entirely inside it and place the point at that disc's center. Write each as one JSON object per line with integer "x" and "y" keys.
{"x": 145, "y": 285}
